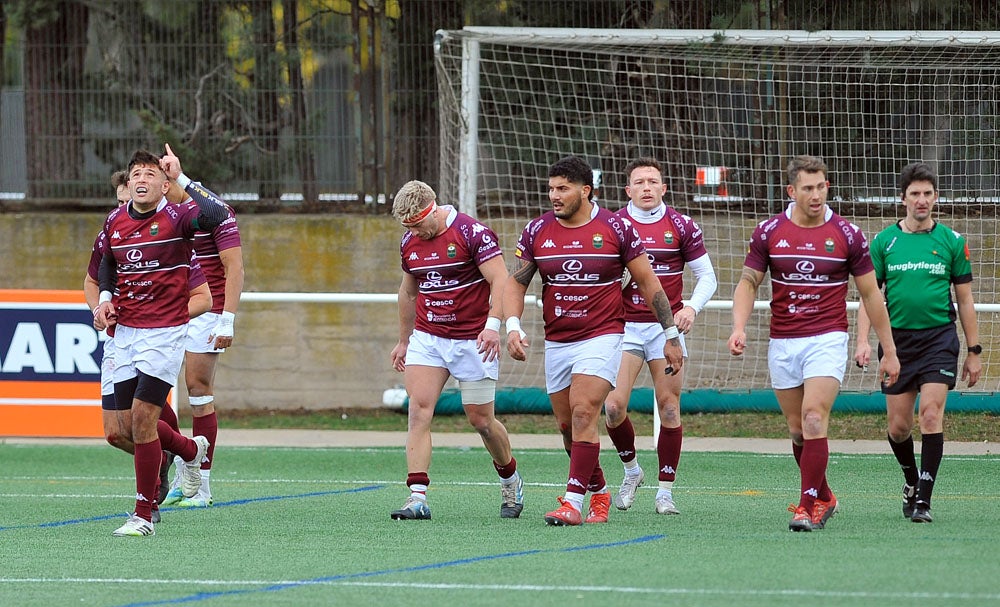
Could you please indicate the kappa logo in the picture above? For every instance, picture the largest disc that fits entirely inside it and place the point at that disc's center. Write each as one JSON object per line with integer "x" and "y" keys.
{"x": 625, "y": 453}
{"x": 116, "y": 235}
{"x": 548, "y": 244}
{"x": 477, "y": 228}
{"x": 926, "y": 476}
{"x": 668, "y": 469}
{"x": 575, "y": 482}
{"x": 782, "y": 244}
{"x": 140, "y": 498}
{"x": 811, "y": 491}
{"x": 414, "y": 256}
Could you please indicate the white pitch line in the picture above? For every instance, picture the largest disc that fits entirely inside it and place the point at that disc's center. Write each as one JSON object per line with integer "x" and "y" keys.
{"x": 778, "y": 592}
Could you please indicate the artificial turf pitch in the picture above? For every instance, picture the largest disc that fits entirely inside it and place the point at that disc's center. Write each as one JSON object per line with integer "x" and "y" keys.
{"x": 294, "y": 526}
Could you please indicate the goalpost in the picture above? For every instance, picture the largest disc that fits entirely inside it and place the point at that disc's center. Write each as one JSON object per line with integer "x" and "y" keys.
{"x": 724, "y": 112}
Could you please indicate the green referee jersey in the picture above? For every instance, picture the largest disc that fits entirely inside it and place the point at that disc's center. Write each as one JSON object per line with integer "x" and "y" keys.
{"x": 918, "y": 271}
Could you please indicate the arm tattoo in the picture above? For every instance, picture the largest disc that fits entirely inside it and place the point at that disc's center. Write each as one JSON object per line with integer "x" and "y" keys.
{"x": 752, "y": 276}
{"x": 525, "y": 272}
{"x": 661, "y": 308}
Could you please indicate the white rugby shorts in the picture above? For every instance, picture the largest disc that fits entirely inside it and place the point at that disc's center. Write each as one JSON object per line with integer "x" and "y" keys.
{"x": 108, "y": 367}
{"x": 648, "y": 338}
{"x": 200, "y": 328}
{"x": 460, "y": 356}
{"x": 156, "y": 352}
{"x": 793, "y": 360}
{"x": 599, "y": 356}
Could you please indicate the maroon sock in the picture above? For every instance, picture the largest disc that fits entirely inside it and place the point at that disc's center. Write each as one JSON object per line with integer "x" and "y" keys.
{"x": 147, "y": 476}
{"x": 815, "y": 456}
{"x": 583, "y": 459}
{"x": 174, "y": 442}
{"x": 167, "y": 414}
{"x": 668, "y": 451}
{"x": 825, "y": 493}
{"x": 207, "y": 426}
{"x": 623, "y": 438}
{"x": 597, "y": 481}
{"x": 508, "y": 470}
{"x": 418, "y": 478}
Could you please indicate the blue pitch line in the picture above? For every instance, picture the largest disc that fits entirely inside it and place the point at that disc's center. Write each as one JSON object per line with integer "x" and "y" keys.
{"x": 241, "y": 502}
{"x": 204, "y": 596}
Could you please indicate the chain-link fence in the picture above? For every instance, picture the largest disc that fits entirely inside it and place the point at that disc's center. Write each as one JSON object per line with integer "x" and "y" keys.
{"x": 315, "y": 105}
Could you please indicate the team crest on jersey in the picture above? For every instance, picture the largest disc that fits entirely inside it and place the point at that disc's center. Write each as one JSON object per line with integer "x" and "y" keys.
{"x": 154, "y": 229}
{"x": 668, "y": 237}
{"x": 828, "y": 245}
{"x": 598, "y": 241}
{"x": 452, "y": 249}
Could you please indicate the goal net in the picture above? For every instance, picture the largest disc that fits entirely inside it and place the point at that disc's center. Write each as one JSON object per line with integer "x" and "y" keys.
{"x": 724, "y": 112}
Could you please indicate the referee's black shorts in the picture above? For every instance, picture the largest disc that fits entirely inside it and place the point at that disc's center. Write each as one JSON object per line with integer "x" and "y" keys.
{"x": 926, "y": 356}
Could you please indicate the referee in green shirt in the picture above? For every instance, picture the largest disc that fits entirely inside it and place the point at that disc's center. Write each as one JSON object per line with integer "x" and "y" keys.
{"x": 918, "y": 260}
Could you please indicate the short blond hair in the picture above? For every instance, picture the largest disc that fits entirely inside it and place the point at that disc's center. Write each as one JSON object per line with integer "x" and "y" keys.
{"x": 412, "y": 198}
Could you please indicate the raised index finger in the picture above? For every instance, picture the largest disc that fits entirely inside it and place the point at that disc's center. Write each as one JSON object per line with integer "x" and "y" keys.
{"x": 169, "y": 151}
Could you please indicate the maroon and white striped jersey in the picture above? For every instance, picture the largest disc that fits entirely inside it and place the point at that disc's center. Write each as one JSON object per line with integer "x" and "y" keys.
{"x": 669, "y": 242}
{"x": 153, "y": 254}
{"x": 454, "y": 297}
{"x": 809, "y": 271}
{"x": 196, "y": 277}
{"x": 581, "y": 270}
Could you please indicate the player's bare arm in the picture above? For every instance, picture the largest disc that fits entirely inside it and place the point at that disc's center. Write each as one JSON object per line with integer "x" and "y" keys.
{"x": 513, "y": 307}
{"x": 874, "y": 304}
{"x": 199, "y": 300}
{"x": 652, "y": 292}
{"x": 525, "y": 272}
{"x": 743, "y": 298}
{"x": 863, "y": 349}
{"x": 406, "y": 303}
{"x": 232, "y": 264}
{"x": 488, "y": 341}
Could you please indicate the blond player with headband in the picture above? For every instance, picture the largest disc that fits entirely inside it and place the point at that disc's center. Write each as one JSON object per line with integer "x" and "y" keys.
{"x": 449, "y": 321}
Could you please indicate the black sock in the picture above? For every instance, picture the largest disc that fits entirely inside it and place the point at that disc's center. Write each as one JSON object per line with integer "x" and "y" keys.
{"x": 906, "y": 458}
{"x": 931, "y": 452}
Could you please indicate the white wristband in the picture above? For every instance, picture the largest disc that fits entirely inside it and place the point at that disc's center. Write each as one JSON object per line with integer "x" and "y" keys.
{"x": 227, "y": 317}
{"x": 514, "y": 324}
{"x": 671, "y": 332}
{"x": 105, "y": 296}
{"x": 183, "y": 180}
{"x": 492, "y": 323}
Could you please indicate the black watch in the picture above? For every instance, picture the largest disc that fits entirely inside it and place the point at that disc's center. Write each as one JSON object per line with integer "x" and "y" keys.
{"x": 976, "y": 349}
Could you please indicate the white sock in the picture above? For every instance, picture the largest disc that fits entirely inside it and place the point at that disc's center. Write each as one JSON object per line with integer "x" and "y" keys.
{"x": 632, "y": 467}
{"x": 512, "y": 479}
{"x": 575, "y": 499}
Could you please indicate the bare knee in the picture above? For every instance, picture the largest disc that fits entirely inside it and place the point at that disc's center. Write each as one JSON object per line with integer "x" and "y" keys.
{"x": 615, "y": 413}
{"x": 481, "y": 424}
{"x": 670, "y": 415}
{"x": 900, "y": 429}
{"x": 931, "y": 419}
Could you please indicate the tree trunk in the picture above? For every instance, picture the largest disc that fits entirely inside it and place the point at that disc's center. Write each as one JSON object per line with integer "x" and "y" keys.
{"x": 53, "y": 67}
{"x": 304, "y": 159}
{"x": 267, "y": 84}
{"x": 416, "y": 150}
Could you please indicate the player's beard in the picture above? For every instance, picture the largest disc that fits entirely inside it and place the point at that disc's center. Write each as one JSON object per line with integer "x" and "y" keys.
{"x": 569, "y": 207}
